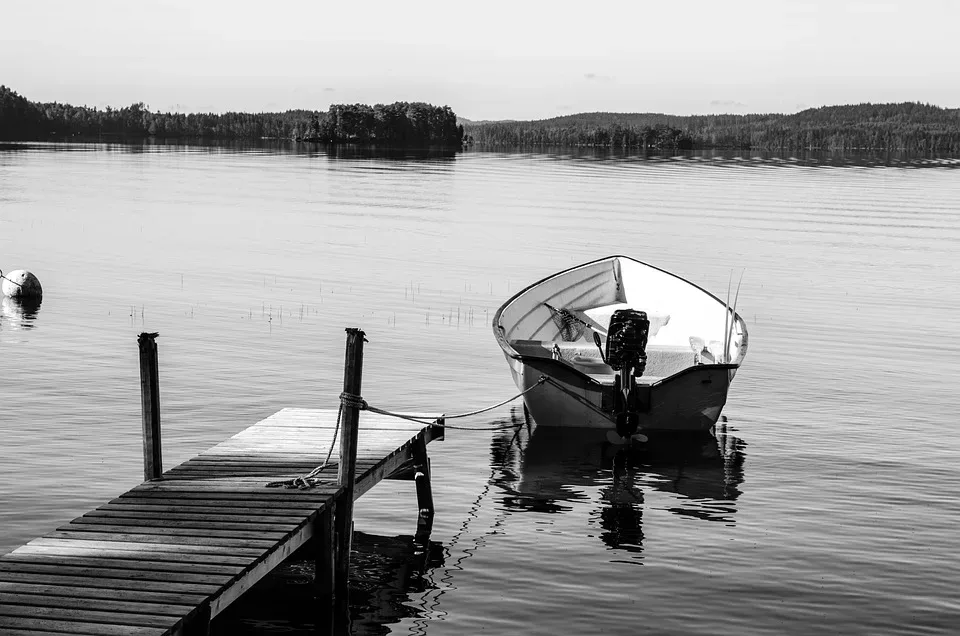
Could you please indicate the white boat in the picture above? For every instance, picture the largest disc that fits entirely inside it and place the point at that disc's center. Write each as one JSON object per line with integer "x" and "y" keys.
{"x": 620, "y": 344}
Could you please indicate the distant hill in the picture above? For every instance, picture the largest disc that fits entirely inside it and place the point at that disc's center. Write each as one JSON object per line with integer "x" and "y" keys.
{"x": 906, "y": 126}
{"x": 463, "y": 121}
{"x": 904, "y": 112}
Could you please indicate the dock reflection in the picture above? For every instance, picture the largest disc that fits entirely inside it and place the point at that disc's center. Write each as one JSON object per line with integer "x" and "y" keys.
{"x": 550, "y": 470}
{"x": 384, "y": 573}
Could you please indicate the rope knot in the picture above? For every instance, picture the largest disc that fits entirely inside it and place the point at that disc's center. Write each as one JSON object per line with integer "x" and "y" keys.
{"x": 351, "y": 400}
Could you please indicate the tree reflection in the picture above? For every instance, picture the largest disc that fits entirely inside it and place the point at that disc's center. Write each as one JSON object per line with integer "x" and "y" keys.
{"x": 354, "y": 152}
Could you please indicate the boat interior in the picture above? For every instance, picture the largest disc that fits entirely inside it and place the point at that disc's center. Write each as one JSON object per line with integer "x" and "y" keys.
{"x": 558, "y": 317}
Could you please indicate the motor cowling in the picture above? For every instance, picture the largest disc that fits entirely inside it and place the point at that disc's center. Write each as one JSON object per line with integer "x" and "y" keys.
{"x": 627, "y": 355}
{"x": 627, "y": 340}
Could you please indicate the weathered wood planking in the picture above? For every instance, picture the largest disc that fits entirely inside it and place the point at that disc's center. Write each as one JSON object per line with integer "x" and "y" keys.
{"x": 182, "y": 548}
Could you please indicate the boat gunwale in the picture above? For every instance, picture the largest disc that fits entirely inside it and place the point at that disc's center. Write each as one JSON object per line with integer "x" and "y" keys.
{"x": 512, "y": 353}
{"x": 725, "y": 366}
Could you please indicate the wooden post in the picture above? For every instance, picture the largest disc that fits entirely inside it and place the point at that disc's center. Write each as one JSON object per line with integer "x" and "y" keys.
{"x": 421, "y": 468}
{"x": 325, "y": 549}
{"x": 197, "y": 624}
{"x": 150, "y": 398}
{"x": 349, "y": 429}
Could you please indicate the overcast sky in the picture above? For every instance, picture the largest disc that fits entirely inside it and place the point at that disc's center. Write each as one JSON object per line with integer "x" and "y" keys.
{"x": 487, "y": 60}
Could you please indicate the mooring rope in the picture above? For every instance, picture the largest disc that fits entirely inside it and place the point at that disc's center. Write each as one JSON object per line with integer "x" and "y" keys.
{"x": 12, "y": 281}
{"x": 454, "y": 416}
{"x": 540, "y": 381}
{"x": 355, "y": 401}
{"x": 579, "y": 398}
{"x": 310, "y": 479}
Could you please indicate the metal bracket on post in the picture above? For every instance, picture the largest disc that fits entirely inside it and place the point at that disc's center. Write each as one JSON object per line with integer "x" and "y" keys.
{"x": 150, "y": 399}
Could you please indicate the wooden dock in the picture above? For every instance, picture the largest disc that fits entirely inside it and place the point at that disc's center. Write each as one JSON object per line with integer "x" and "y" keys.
{"x": 169, "y": 555}
{"x": 172, "y": 553}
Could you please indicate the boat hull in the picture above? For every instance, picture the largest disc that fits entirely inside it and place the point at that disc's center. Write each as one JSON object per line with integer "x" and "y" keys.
{"x": 687, "y": 402}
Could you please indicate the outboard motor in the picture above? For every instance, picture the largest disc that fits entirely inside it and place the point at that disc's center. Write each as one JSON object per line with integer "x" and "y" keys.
{"x": 627, "y": 354}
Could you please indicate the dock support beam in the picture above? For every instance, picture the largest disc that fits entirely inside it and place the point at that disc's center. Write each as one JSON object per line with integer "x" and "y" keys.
{"x": 325, "y": 550}
{"x": 150, "y": 398}
{"x": 349, "y": 423}
{"x": 421, "y": 475}
{"x": 325, "y": 553}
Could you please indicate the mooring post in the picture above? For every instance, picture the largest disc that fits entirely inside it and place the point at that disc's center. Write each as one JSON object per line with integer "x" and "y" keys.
{"x": 349, "y": 423}
{"x": 150, "y": 399}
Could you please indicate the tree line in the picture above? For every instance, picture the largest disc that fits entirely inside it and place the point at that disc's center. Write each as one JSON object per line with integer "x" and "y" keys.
{"x": 582, "y": 132}
{"x": 906, "y": 126}
{"x": 399, "y": 124}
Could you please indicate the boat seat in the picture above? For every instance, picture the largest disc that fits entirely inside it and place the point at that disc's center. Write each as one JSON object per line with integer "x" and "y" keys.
{"x": 601, "y": 316}
{"x": 662, "y": 360}
{"x": 607, "y": 378}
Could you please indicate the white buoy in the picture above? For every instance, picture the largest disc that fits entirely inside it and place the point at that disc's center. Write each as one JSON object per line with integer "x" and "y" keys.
{"x": 21, "y": 285}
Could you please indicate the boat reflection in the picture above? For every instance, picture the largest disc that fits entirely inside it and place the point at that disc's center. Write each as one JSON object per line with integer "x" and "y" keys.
{"x": 550, "y": 470}
{"x": 17, "y": 314}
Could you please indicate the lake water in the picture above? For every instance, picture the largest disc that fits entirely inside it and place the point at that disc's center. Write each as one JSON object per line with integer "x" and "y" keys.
{"x": 829, "y": 502}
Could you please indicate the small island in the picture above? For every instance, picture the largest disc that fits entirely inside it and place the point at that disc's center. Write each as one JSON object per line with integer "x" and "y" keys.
{"x": 397, "y": 125}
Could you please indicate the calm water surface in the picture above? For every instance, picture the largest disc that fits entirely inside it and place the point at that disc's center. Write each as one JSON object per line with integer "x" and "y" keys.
{"x": 828, "y": 503}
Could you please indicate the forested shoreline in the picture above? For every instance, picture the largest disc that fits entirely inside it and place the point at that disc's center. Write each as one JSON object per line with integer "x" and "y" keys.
{"x": 909, "y": 126}
{"x": 401, "y": 124}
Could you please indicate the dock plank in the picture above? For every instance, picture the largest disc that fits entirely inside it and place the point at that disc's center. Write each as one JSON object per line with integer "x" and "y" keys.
{"x": 151, "y": 503}
{"x": 10, "y": 624}
{"x": 145, "y": 573}
{"x": 81, "y": 615}
{"x": 103, "y": 593}
{"x": 196, "y": 515}
{"x": 136, "y": 565}
{"x": 197, "y": 537}
{"x": 107, "y": 582}
{"x": 213, "y": 537}
{"x": 178, "y": 523}
{"x": 106, "y": 605}
{"x": 182, "y": 558}
{"x": 146, "y": 543}
{"x": 30, "y": 632}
